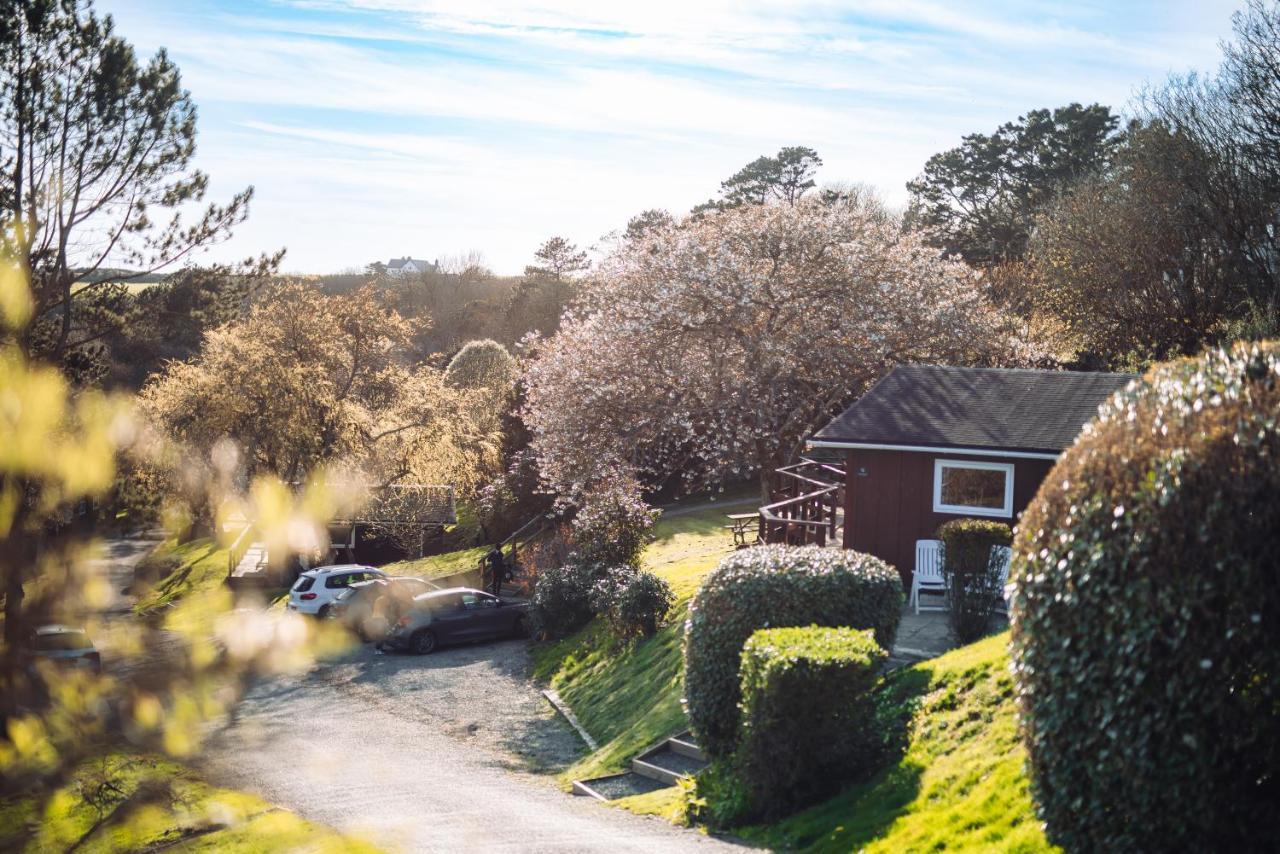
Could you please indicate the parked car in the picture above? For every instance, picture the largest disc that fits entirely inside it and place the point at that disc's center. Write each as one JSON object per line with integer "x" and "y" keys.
{"x": 65, "y": 646}
{"x": 370, "y": 608}
{"x": 314, "y": 591}
{"x": 456, "y": 615}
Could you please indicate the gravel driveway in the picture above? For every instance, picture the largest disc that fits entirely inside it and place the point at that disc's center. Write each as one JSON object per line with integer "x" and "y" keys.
{"x": 430, "y": 753}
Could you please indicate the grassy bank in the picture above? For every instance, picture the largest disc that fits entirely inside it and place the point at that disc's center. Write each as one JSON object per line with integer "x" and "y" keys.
{"x": 201, "y": 568}
{"x": 131, "y": 802}
{"x": 629, "y": 697}
{"x": 441, "y": 565}
{"x": 959, "y": 784}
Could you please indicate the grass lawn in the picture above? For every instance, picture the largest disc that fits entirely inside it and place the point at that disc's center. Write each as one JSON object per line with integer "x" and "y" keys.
{"x": 203, "y": 569}
{"x": 131, "y": 802}
{"x": 629, "y": 697}
{"x": 441, "y": 565}
{"x": 959, "y": 785}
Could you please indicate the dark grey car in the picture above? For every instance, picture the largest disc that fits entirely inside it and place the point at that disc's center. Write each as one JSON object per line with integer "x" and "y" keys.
{"x": 456, "y": 615}
{"x": 65, "y": 646}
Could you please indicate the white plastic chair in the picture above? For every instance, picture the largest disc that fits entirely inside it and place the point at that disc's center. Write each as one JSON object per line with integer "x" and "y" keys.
{"x": 928, "y": 577}
{"x": 1003, "y": 554}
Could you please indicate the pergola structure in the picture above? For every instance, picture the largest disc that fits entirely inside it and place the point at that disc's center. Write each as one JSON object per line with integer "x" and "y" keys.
{"x": 401, "y": 510}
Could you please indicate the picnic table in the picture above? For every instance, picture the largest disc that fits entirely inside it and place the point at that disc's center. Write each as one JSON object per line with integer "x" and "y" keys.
{"x": 742, "y": 524}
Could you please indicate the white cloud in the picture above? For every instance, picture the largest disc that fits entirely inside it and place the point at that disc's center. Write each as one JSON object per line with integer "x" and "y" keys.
{"x": 381, "y": 127}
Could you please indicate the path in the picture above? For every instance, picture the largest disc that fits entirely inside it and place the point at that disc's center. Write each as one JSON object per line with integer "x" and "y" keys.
{"x": 426, "y": 754}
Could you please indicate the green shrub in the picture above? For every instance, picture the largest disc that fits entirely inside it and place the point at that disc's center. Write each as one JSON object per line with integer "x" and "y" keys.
{"x": 561, "y": 601}
{"x": 482, "y": 364}
{"x": 1144, "y": 615}
{"x": 974, "y": 587}
{"x": 633, "y": 602}
{"x": 808, "y": 722}
{"x": 770, "y": 587}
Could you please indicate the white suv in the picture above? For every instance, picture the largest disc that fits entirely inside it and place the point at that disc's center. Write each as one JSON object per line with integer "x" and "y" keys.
{"x": 315, "y": 589}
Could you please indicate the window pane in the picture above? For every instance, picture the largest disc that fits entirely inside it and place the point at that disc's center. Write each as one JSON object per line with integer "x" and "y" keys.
{"x": 63, "y": 641}
{"x": 973, "y": 487}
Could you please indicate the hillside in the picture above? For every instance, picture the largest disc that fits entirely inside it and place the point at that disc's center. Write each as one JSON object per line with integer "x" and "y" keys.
{"x": 629, "y": 697}
{"x": 960, "y": 783}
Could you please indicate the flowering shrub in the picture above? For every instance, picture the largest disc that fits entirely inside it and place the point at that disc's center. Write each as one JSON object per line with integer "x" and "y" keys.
{"x": 614, "y": 524}
{"x": 633, "y": 602}
{"x": 1145, "y": 612}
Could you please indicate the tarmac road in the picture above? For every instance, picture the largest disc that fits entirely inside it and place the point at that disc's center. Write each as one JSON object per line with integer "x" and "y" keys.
{"x": 426, "y": 753}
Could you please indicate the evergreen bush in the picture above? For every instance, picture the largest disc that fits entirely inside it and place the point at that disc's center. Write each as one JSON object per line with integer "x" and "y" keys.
{"x": 808, "y": 721}
{"x": 972, "y": 569}
{"x": 1145, "y": 611}
{"x": 632, "y": 602}
{"x": 561, "y": 601}
{"x": 773, "y": 587}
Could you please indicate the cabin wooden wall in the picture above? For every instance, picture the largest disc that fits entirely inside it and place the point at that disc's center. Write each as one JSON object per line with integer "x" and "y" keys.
{"x": 889, "y": 501}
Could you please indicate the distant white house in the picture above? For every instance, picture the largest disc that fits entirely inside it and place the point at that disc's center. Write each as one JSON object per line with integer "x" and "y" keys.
{"x": 407, "y": 266}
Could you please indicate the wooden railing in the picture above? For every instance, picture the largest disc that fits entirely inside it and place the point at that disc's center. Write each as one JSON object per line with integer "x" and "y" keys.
{"x": 239, "y": 548}
{"x": 526, "y": 533}
{"x": 807, "y": 505}
{"x": 510, "y": 547}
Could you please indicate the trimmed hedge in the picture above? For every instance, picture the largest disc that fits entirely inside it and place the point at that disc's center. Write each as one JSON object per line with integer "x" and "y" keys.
{"x": 973, "y": 578}
{"x": 1145, "y": 613}
{"x": 770, "y": 587}
{"x": 808, "y": 720}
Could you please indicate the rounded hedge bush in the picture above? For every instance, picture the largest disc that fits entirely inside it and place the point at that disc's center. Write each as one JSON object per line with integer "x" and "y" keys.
{"x": 808, "y": 719}
{"x": 774, "y": 587}
{"x": 1145, "y": 615}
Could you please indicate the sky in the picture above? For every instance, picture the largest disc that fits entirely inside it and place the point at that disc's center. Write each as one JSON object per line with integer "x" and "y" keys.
{"x": 374, "y": 129}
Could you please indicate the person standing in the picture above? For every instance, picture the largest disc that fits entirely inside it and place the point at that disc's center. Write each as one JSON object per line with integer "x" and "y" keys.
{"x": 497, "y": 566}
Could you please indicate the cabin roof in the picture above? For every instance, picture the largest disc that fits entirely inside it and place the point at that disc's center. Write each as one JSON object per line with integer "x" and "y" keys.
{"x": 991, "y": 409}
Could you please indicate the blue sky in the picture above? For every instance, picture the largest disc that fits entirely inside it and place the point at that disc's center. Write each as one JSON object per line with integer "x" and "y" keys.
{"x": 379, "y": 128}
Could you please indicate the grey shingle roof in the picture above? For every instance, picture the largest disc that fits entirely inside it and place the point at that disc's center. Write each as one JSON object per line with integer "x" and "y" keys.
{"x": 397, "y": 263}
{"x": 979, "y": 408}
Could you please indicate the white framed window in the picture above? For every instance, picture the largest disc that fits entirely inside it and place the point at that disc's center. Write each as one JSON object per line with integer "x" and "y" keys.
{"x": 972, "y": 488}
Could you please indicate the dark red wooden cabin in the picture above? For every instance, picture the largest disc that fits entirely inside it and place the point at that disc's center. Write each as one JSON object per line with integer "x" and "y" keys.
{"x": 927, "y": 444}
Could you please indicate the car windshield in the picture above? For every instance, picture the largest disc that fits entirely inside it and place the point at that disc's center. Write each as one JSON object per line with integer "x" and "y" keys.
{"x": 56, "y": 641}
{"x": 304, "y": 584}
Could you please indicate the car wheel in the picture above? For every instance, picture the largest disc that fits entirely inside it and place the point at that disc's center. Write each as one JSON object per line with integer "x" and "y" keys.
{"x": 423, "y": 642}
{"x": 323, "y": 613}
{"x": 521, "y": 627}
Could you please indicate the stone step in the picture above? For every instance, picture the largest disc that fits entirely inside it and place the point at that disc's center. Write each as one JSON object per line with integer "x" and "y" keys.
{"x": 617, "y": 786}
{"x": 665, "y": 765}
{"x": 686, "y": 746}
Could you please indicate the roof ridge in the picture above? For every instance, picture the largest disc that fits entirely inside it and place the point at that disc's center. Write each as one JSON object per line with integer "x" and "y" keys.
{"x": 984, "y": 369}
